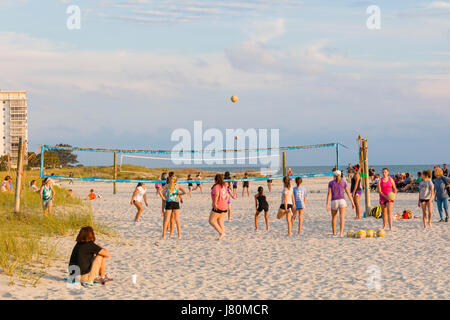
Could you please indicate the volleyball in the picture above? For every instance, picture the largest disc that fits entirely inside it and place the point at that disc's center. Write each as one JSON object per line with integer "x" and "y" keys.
{"x": 360, "y": 234}
{"x": 370, "y": 233}
{"x": 350, "y": 234}
{"x": 234, "y": 99}
{"x": 391, "y": 196}
{"x": 381, "y": 233}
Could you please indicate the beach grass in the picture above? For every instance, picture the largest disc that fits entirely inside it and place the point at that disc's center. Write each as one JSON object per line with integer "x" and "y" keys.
{"x": 27, "y": 238}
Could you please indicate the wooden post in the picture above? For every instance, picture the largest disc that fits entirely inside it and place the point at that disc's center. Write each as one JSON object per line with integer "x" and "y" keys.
{"x": 365, "y": 170}
{"x": 337, "y": 156}
{"x": 9, "y": 163}
{"x": 284, "y": 164}
{"x": 19, "y": 176}
{"x": 115, "y": 172}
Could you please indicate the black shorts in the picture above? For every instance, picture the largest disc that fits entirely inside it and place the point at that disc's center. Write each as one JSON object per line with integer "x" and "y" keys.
{"x": 218, "y": 211}
{"x": 264, "y": 208}
{"x": 424, "y": 200}
{"x": 245, "y": 185}
{"x": 234, "y": 186}
{"x": 198, "y": 184}
{"x": 171, "y": 205}
{"x": 289, "y": 206}
{"x": 269, "y": 181}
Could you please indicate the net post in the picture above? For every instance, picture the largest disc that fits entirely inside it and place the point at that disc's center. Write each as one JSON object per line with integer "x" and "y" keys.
{"x": 337, "y": 156}
{"x": 365, "y": 166}
{"x": 19, "y": 176}
{"x": 41, "y": 173}
{"x": 115, "y": 172}
{"x": 284, "y": 164}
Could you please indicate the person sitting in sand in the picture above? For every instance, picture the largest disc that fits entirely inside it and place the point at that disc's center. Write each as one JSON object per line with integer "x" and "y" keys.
{"x": 337, "y": 189}
{"x": 47, "y": 194}
{"x": 6, "y": 185}
{"x": 287, "y": 207}
{"x": 89, "y": 258}
{"x": 300, "y": 194}
{"x": 261, "y": 205}
{"x": 426, "y": 195}
{"x": 33, "y": 186}
{"x": 92, "y": 195}
{"x": 70, "y": 194}
{"x": 139, "y": 196}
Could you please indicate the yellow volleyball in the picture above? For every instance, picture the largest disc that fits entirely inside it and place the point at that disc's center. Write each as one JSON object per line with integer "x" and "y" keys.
{"x": 370, "y": 233}
{"x": 234, "y": 99}
{"x": 360, "y": 234}
{"x": 350, "y": 234}
{"x": 381, "y": 233}
{"x": 391, "y": 196}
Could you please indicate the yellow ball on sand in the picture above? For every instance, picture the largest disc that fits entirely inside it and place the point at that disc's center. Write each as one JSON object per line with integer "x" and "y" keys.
{"x": 370, "y": 233}
{"x": 391, "y": 196}
{"x": 381, "y": 233}
{"x": 350, "y": 234}
{"x": 234, "y": 99}
{"x": 360, "y": 234}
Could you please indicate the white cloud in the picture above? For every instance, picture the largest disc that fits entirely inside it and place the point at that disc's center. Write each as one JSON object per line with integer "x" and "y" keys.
{"x": 440, "y": 5}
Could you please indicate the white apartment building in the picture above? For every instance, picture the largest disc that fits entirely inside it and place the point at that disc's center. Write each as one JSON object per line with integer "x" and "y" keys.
{"x": 13, "y": 117}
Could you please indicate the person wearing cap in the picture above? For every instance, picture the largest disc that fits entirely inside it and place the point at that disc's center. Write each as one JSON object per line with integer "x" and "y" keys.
{"x": 337, "y": 189}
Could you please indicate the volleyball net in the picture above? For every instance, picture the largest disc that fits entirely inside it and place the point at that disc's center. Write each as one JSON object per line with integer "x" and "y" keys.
{"x": 132, "y": 165}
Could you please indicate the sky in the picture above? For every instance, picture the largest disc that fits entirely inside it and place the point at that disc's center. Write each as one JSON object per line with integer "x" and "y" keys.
{"x": 138, "y": 69}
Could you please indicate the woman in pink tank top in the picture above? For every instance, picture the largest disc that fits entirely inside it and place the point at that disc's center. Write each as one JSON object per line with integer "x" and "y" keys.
{"x": 386, "y": 185}
{"x": 219, "y": 198}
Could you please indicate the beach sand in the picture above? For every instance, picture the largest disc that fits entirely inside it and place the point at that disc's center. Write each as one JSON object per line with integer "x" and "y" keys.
{"x": 413, "y": 262}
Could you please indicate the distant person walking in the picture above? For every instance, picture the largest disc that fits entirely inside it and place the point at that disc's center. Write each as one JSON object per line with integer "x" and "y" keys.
{"x": 441, "y": 187}
{"x": 356, "y": 190}
{"x": 245, "y": 185}
{"x": 426, "y": 195}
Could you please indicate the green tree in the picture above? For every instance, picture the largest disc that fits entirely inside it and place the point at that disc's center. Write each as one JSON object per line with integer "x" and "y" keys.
{"x": 66, "y": 157}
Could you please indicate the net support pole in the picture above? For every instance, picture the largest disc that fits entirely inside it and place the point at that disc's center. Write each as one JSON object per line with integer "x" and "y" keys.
{"x": 19, "y": 176}
{"x": 284, "y": 164}
{"x": 115, "y": 172}
{"x": 365, "y": 164}
{"x": 337, "y": 156}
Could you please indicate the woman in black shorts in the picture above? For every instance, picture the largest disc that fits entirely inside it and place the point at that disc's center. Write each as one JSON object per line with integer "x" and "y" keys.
{"x": 171, "y": 195}
{"x": 287, "y": 207}
{"x": 219, "y": 197}
{"x": 245, "y": 185}
{"x": 199, "y": 185}
{"x": 261, "y": 205}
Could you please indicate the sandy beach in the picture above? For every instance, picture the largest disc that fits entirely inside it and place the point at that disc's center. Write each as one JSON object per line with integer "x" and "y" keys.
{"x": 413, "y": 262}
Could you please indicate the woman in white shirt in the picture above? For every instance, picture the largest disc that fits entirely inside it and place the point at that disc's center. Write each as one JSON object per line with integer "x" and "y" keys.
{"x": 137, "y": 198}
{"x": 287, "y": 203}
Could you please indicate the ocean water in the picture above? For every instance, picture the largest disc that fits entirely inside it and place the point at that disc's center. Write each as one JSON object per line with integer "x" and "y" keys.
{"x": 393, "y": 169}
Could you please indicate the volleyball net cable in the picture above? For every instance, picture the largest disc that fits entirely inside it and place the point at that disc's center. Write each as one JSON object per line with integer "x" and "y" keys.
{"x": 149, "y": 154}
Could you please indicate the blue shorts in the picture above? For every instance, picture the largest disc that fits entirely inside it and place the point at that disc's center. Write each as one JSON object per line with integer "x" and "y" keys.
{"x": 299, "y": 205}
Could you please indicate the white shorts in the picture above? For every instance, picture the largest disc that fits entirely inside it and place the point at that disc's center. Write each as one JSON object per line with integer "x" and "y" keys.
{"x": 338, "y": 204}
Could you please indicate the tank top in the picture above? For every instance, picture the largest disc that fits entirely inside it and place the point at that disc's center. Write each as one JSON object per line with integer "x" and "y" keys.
{"x": 262, "y": 201}
{"x": 288, "y": 192}
{"x": 171, "y": 196}
{"x": 386, "y": 187}
{"x": 47, "y": 193}
{"x": 352, "y": 188}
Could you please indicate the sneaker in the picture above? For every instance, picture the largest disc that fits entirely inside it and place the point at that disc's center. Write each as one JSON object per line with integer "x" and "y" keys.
{"x": 446, "y": 219}
{"x": 442, "y": 220}
{"x": 87, "y": 283}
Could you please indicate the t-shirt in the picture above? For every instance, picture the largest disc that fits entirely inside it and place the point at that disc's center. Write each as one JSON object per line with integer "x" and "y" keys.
{"x": 299, "y": 195}
{"x": 419, "y": 179}
{"x": 83, "y": 255}
{"x": 222, "y": 201}
{"x": 439, "y": 187}
{"x": 287, "y": 192}
{"x": 337, "y": 189}
{"x": 92, "y": 196}
{"x": 425, "y": 188}
{"x": 140, "y": 194}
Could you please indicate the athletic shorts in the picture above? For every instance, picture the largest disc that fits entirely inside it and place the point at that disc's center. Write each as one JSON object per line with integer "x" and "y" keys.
{"x": 234, "y": 186}
{"x": 46, "y": 203}
{"x": 358, "y": 192}
{"x": 245, "y": 185}
{"x": 171, "y": 205}
{"x": 338, "y": 204}
{"x": 218, "y": 211}
{"x": 264, "y": 208}
{"x": 289, "y": 206}
{"x": 198, "y": 184}
{"x": 424, "y": 200}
